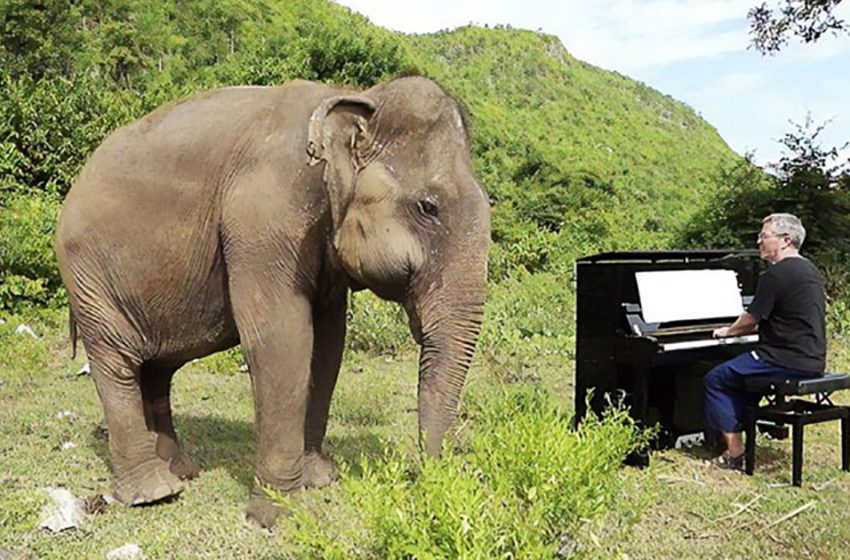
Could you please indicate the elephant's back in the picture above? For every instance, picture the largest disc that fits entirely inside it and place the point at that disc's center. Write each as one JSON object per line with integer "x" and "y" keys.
{"x": 192, "y": 141}
{"x": 171, "y": 165}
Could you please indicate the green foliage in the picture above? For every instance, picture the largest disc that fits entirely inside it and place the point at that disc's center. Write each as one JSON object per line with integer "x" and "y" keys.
{"x": 228, "y": 362}
{"x": 376, "y": 327}
{"x": 809, "y": 182}
{"x": 28, "y": 270}
{"x": 524, "y": 486}
{"x": 529, "y": 313}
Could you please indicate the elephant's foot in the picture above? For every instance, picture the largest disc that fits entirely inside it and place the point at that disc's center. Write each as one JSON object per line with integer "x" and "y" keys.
{"x": 183, "y": 466}
{"x": 318, "y": 471}
{"x": 146, "y": 483}
{"x": 263, "y": 511}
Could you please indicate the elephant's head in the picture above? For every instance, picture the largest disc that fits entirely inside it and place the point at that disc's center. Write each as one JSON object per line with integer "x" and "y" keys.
{"x": 411, "y": 223}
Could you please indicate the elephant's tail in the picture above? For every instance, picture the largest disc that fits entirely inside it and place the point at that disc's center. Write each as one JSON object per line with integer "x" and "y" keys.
{"x": 72, "y": 325}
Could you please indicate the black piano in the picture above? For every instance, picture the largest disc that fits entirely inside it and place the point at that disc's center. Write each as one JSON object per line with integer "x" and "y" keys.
{"x": 644, "y": 331}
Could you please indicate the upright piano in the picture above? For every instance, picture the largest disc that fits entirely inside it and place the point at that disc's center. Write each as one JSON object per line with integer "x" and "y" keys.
{"x": 644, "y": 331}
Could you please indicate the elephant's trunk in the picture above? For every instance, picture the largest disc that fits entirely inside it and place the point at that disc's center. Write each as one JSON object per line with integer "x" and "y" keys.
{"x": 450, "y": 323}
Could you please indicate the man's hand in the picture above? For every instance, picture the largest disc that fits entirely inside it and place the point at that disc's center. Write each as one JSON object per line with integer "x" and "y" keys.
{"x": 722, "y": 332}
{"x": 744, "y": 324}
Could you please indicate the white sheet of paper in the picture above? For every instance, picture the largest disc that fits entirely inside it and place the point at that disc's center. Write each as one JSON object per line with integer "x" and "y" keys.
{"x": 685, "y": 295}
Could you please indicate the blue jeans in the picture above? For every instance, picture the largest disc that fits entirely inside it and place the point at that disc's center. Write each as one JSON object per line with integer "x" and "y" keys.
{"x": 725, "y": 398}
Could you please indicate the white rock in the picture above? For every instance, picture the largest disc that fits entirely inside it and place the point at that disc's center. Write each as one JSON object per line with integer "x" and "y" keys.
{"x": 69, "y": 414}
{"x": 66, "y": 511}
{"x": 23, "y": 328}
{"x": 2, "y": 321}
{"x": 126, "y": 552}
{"x": 85, "y": 370}
{"x": 68, "y": 445}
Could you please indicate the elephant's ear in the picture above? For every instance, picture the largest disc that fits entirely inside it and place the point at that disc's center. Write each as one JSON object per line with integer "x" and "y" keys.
{"x": 338, "y": 135}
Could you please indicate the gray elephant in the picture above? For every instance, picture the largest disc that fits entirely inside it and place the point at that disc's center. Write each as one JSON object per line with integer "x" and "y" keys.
{"x": 244, "y": 215}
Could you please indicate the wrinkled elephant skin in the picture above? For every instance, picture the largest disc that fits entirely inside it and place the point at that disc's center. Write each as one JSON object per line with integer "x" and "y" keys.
{"x": 245, "y": 215}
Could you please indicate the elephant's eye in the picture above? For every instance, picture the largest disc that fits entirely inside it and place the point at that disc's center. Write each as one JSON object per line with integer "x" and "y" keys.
{"x": 428, "y": 206}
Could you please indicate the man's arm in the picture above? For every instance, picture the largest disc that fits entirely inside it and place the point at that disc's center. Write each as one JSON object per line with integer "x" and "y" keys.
{"x": 744, "y": 324}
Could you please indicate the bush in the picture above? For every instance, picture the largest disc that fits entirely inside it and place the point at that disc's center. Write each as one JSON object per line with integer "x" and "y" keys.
{"x": 28, "y": 272}
{"x": 529, "y": 312}
{"x": 376, "y": 327}
{"x": 523, "y": 487}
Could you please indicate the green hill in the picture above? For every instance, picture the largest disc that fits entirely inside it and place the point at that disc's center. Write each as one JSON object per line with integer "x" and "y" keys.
{"x": 563, "y": 146}
{"x": 575, "y": 159}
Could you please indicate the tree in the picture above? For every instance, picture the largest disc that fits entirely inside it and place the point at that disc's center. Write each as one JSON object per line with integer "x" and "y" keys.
{"x": 809, "y": 181}
{"x": 808, "y": 20}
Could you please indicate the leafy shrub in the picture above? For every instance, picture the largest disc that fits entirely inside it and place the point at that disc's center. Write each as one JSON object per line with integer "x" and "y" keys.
{"x": 527, "y": 307}
{"x": 28, "y": 271}
{"x": 228, "y": 362}
{"x": 523, "y": 487}
{"x": 376, "y": 327}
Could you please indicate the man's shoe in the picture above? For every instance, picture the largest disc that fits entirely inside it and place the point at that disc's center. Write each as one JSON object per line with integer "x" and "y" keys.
{"x": 729, "y": 463}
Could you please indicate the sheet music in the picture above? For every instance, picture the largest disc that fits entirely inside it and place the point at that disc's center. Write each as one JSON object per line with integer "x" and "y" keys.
{"x": 683, "y": 295}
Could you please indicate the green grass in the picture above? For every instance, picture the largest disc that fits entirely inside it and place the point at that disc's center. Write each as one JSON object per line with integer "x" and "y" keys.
{"x": 517, "y": 484}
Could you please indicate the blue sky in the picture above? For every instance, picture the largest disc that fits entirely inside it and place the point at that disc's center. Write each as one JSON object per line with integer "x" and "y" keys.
{"x": 693, "y": 50}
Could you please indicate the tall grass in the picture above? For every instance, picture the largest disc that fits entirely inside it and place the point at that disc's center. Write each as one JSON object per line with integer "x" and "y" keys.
{"x": 522, "y": 484}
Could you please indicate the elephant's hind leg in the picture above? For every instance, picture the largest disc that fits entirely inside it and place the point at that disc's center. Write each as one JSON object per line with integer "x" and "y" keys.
{"x": 156, "y": 392}
{"x": 142, "y": 476}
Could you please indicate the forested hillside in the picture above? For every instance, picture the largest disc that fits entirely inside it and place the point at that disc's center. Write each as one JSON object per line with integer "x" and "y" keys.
{"x": 574, "y": 158}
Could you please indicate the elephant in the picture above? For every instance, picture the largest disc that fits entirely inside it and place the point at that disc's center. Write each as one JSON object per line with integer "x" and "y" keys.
{"x": 246, "y": 215}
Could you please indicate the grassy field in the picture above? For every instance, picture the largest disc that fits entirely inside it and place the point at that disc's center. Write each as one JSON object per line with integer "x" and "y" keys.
{"x": 679, "y": 507}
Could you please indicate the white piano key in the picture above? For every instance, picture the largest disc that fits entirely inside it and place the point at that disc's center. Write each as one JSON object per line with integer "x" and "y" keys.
{"x": 708, "y": 342}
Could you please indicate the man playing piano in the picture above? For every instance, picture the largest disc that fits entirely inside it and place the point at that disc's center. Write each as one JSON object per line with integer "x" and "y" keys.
{"x": 788, "y": 313}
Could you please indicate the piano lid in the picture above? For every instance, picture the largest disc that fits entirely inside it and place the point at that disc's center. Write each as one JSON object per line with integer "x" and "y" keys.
{"x": 671, "y": 255}
{"x": 688, "y": 295}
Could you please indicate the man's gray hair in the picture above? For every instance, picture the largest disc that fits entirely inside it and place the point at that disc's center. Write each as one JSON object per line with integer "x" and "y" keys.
{"x": 790, "y": 225}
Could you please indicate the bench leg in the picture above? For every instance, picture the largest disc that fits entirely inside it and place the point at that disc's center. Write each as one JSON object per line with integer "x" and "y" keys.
{"x": 797, "y": 452}
{"x": 750, "y": 443}
{"x": 845, "y": 441}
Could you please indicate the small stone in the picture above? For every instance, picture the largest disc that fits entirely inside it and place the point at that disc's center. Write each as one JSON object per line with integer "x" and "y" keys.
{"x": 70, "y": 415}
{"x": 65, "y": 511}
{"x": 2, "y": 321}
{"x": 85, "y": 370}
{"x": 243, "y": 368}
{"x": 68, "y": 445}
{"x": 26, "y": 329}
{"x": 126, "y": 552}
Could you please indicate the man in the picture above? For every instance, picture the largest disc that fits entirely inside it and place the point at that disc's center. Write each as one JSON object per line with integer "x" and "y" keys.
{"x": 788, "y": 313}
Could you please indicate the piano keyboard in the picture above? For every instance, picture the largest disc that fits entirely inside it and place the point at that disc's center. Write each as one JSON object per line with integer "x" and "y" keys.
{"x": 708, "y": 342}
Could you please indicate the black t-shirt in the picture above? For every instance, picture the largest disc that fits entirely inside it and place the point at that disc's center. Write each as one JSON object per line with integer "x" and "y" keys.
{"x": 789, "y": 306}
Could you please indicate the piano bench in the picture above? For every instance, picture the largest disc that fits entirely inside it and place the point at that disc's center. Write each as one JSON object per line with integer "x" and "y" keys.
{"x": 797, "y": 412}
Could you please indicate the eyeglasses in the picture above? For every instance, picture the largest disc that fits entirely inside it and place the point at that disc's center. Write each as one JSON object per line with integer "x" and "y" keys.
{"x": 762, "y": 236}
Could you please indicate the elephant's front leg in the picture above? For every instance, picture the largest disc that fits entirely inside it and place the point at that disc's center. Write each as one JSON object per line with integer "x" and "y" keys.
{"x": 275, "y": 326}
{"x": 328, "y": 343}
